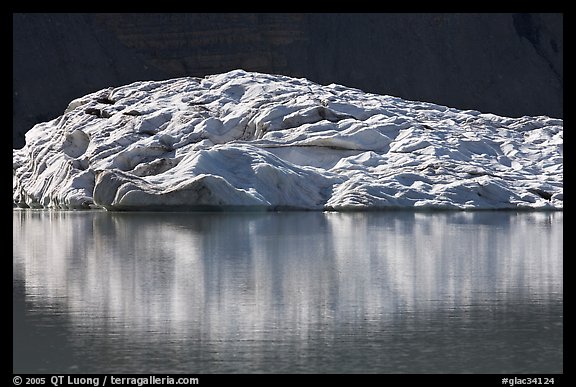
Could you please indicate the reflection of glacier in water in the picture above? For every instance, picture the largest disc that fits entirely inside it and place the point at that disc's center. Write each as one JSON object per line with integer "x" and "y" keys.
{"x": 293, "y": 292}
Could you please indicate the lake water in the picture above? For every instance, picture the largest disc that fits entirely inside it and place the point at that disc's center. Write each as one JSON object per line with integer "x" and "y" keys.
{"x": 295, "y": 292}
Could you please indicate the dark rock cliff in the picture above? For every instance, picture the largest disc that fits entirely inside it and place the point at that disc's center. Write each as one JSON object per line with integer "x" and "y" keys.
{"x": 508, "y": 64}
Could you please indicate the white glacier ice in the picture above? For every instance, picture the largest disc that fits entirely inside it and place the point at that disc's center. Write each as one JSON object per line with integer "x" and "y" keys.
{"x": 258, "y": 141}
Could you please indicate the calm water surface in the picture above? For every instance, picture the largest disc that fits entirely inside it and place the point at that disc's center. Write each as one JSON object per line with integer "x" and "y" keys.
{"x": 395, "y": 292}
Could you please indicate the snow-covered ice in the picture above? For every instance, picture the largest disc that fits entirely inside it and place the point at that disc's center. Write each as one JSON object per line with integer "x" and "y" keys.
{"x": 258, "y": 141}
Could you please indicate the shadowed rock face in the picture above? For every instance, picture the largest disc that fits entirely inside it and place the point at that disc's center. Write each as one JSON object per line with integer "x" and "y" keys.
{"x": 508, "y": 64}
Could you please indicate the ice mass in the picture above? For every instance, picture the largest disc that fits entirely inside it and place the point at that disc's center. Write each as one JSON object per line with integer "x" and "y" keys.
{"x": 253, "y": 141}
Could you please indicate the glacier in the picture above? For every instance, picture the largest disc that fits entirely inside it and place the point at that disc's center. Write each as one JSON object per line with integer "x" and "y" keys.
{"x": 254, "y": 141}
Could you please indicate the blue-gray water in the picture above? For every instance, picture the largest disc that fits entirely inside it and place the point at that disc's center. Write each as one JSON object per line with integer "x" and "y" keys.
{"x": 392, "y": 292}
